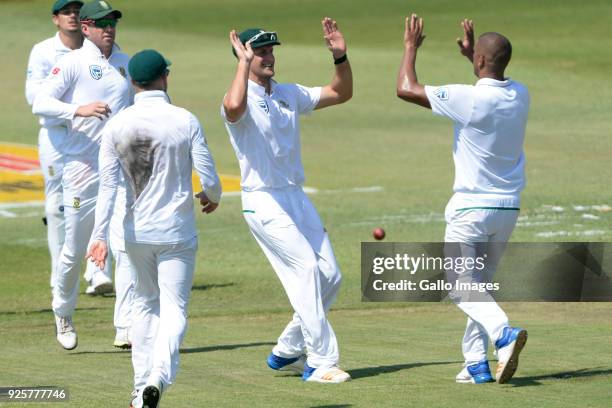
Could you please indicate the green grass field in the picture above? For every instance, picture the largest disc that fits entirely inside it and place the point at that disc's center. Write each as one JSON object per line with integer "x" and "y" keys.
{"x": 398, "y": 354}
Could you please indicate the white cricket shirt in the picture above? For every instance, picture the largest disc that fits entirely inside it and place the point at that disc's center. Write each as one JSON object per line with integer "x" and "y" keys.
{"x": 79, "y": 78}
{"x": 43, "y": 57}
{"x": 490, "y": 120}
{"x": 154, "y": 144}
{"x": 266, "y": 138}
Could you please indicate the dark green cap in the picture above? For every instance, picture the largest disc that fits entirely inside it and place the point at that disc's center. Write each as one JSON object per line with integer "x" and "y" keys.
{"x": 60, "y": 4}
{"x": 97, "y": 9}
{"x": 258, "y": 38}
{"x": 147, "y": 65}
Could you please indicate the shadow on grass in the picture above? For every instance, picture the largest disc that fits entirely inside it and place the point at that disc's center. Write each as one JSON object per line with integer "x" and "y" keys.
{"x": 224, "y": 347}
{"x": 332, "y": 406}
{"x": 212, "y": 286}
{"x": 40, "y": 311}
{"x": 186, "y": 350}
{"x": 564, "y": 375}
{"x": 374, "y": 371}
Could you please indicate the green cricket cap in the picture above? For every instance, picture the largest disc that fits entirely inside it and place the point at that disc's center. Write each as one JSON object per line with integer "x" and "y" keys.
{"x": 97, "y": 9}
{"x": 60, "y": 4}
{"x": 258, "y": 37}
{"x": 147, "y": 65}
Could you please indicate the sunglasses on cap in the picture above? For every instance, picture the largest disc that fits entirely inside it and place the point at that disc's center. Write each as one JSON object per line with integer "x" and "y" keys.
{"x": 263, "y": 36}
{"x": 102, "y": 22}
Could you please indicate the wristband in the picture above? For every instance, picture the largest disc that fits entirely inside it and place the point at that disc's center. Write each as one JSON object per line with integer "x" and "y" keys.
{"x": 340, "y": 60}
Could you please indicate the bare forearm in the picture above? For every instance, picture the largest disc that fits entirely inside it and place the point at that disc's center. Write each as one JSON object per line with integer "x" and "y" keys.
{"x": 235, "y": 101}
{"x": 342, "y": 82}
{"x": 408, "y": 86}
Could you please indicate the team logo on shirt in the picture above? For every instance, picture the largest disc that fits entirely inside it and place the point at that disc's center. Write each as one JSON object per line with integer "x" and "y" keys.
{"x": 122, "y": 71}
{"x": 95, "y": 71}
{"x": 441, "y": 93}
{"x": 76, "y": 203}
{"x": 55, "y": 71}
{"x": 283, "y": 104}
{"x": 263, "y": 105}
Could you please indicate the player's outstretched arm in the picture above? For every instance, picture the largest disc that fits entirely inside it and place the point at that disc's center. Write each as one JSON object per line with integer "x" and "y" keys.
{"x": 235, "y": 100}
{"x": 340, "y": 89}
{"x": 408, "y": 86}
{"x": 466, "y": 45}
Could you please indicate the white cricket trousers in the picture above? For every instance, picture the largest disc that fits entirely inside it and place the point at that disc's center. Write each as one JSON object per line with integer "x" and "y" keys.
{"x": 52, "y": 165}
{"x": 125, "y": 279}
{"x": 80, "y": 190}
{"x": 164, "y": 276}
{"x": 288, "y": 229}
{"x": 480, "y": 231}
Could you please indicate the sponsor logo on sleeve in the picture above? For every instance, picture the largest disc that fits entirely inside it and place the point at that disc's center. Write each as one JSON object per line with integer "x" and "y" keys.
{"x": 95, "y": 71}
{"x": 122, "y": 72}
{"x": 55, "y": 71}
{"x": 441, "y": 93}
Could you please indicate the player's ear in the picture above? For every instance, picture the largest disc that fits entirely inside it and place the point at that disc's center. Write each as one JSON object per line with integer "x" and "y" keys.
{"x": 55, "y": 19}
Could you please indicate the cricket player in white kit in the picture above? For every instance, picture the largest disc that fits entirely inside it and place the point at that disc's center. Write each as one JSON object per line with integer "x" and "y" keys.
{"x": 490, "y": 120}
{"x": 53, "y": 132}
{"x": 85, "y": 87}
{"x": 154, "y": 145}
{"x": 262, "y": 119}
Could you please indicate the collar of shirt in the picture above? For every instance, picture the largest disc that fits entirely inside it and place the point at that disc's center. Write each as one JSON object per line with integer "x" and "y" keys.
{"x": 157, "y": 96}
{"x": 256, "y": 89}
{"x": 493, "y": 82}
{"x": 92, "y": 48}
{"x": 58, "y": 44}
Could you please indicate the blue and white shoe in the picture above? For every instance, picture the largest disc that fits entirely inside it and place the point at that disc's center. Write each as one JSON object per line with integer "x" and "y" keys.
{"x": 509, "y": 346}
{"x": 478, "y": 373}
{"x": 295, "y": 364}
{"x": 329, "y": 375}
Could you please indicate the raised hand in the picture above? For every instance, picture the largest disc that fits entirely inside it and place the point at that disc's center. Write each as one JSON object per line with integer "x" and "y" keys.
{"x": 333, "y": 37}
{"x": 413, "y": 33}
{"x": 244, "y": 53}
{"x": 466, "y": 45}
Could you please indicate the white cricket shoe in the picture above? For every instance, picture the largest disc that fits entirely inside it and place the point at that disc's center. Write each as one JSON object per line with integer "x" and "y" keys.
{"x": 101, "y": 284}
{"x": 295, "y": 364}
{"x": 136, "y": 401}
{"x": 66, "y": 335}
{"x": 122, "y": 339}
{"x": 90, "y": 291}
{"x": 509, "y": 346}
{"x": 329, "y": 375}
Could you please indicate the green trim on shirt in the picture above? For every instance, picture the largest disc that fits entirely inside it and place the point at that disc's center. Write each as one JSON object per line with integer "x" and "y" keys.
{"x": 248, "y": 211}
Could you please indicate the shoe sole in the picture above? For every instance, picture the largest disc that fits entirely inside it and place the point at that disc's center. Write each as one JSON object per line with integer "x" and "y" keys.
{"x": 71, "y": 348}
{"x": 122, "y": 345}
{"x": 322, "y": 381}
{"x": 103, "y": 289}
{"x": 150, "y": 397}
{"x": 512, "y": 363}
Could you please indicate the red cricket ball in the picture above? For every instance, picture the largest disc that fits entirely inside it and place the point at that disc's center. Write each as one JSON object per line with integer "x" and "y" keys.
{"x": 378, "y": 234}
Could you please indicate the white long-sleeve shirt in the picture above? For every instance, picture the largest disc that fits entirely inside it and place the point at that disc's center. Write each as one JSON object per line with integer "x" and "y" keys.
{"x": 43, "y": 57}
{"x": 79, "y": 78}
{"x": 154, "y": 145}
